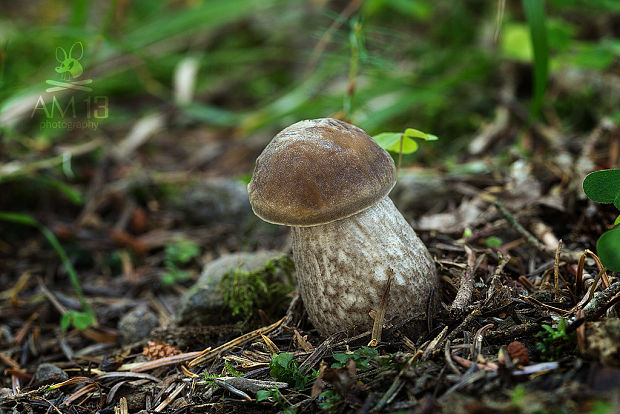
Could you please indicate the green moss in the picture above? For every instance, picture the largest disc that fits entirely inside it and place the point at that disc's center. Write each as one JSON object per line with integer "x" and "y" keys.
{"x": 245, "y": 292}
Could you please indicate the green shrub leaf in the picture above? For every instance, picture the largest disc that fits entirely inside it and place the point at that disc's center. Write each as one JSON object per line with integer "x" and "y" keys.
{"x": 603, "y": 186}
{"x": 608, "y": 249}
{"x": 536, "y": 20}
{"x": 414, "y": 133}
{"x": 387, "y": 139}
{"x": 390, "y": 141}
{"x": 262, "y": 395}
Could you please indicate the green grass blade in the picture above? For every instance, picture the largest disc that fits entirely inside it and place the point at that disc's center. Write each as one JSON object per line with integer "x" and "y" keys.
{"x": 79, "y": 12}
{"x": 536, "y": 20}
{"x": 27, "y": 220}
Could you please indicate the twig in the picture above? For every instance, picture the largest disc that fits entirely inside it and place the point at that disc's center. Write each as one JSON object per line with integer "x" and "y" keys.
{"x": 520, "y": 229}
{"x": 478, "y": 337}
{"x": 396, "y": 386}
{"x": 513, "y": 332}
{"x": 318, "y": 353}
{"x": 210, "y": 354}
{"x": 466, "y": 289}
{"x": 435, "y": 344}
{"x": 449, "y": 360}
{"x": 377, "y": 326}
{"x": 602, "y": 301}
{"x": 162, "y": 362}
{"x": 556, "y": 269}
{"x": 502, "y": 262}
{"x": 170, "y": 398}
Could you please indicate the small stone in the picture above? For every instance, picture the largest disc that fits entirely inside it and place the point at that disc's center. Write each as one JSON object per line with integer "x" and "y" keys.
{"x": 49, "y": 374}
{"x": 203, "y": 303}
{"x": 5, "y": 393}
{"x": 137, "y": 324}
{"x": 417, "y": 192}
{"x": 218, "y": 201}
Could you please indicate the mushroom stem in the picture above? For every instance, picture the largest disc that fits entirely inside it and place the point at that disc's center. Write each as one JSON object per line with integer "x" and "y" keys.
{"x": 341, "y": 269}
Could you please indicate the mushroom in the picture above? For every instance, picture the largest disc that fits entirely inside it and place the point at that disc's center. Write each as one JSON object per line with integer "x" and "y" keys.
{"x": 329, "y": 181}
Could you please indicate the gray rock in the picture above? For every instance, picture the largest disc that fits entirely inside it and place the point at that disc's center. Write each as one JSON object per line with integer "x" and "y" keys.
{"x": 220, "y": 200}
{"x": 418, "y": 192}
{"x": 137, "y": 324}
{"x": 5, "y": 393}
{"x": 49, "y": 374}
{"x": 203, "y": 304}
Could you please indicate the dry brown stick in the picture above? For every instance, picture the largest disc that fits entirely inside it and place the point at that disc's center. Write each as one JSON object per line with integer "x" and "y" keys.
{"x": 556, "y": 270}
{"x": 436, "y": 343}
{"x": 602, "y": 301}
{"x": 318, "y": 353}
{"x": 478, "y": 337}
{"x": 162, "y": 362}
{"x": 466, "y": 289}
{"x": 513, "y": 332}
{"x": 502, "y": 262}
{"x": 209, "y": 355}
{"x": 449, "y": 361}
{"x": 520, "y": 229}
{"x": 377, "y": 326}
{"x": 170, "y": 398}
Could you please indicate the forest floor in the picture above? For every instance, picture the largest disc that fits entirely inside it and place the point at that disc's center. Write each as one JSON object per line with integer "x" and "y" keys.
{"x": 527, "y": 323}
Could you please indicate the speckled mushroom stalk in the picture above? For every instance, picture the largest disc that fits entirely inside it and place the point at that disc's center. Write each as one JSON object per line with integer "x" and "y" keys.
{"x": 342, "y": 269}
{"x": 329, "y": 181}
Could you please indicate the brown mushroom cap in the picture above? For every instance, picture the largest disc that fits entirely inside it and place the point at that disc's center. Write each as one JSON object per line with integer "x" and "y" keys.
{"x": 318, "y": 171}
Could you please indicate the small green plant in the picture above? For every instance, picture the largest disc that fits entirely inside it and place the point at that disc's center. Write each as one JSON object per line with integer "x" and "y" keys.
{"x": 555, "y": 342}
{"x": 285, "y": 368}
{"x": 402, "y": 142}
{"x": 604, "y": 187}
{"x": 329, "y": 400}
{"x": 362, "y": 357}
{"x": 229, "y": 370}
{"x": 493, "y": 241}
{"x": 246, "y": 291}
{"x": 177, "y": 254}
{"x": 80, "y": 320}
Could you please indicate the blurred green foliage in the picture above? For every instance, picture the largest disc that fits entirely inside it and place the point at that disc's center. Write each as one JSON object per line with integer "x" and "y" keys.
{"x": 268, "y": 63}
{"x": 178, "y": 254}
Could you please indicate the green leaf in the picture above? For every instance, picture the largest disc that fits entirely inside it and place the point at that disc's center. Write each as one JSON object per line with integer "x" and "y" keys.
{"x": 414, "y": 133}
{"x": 390, "y": 141}
{"x": 283, "y": 359}
{"x": 608, "y": 249}
{"x": 82, "y": 320}
{"x": 515, "y": 42}
{"x": 65, "y": 321}
{"x": 387, "y": 139}
{"x": 493, "y": 241}
{"x": 562, "y": 326}
{"x": 182, "y": 251}
{"x": 603, "y": 186}
{"x": 262, "y": 395}
{"x": 536, "y": 20}
{"x": 617, "y": 221}
{"x": 409, "y": 146}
